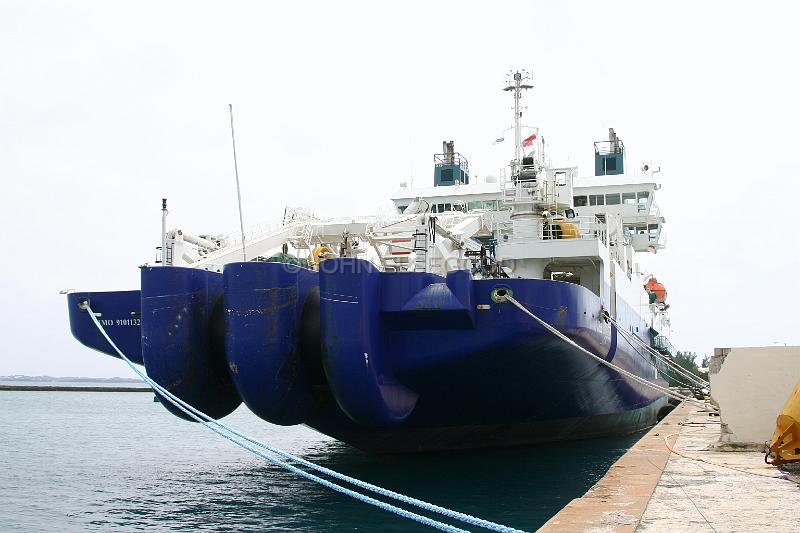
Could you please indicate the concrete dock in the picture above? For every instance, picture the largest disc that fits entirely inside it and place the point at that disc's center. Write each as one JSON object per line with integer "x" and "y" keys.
{"x": 651, "y": 489}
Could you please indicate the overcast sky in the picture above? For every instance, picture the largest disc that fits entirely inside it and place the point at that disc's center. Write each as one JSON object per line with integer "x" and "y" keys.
{"x": 105, "y": 107}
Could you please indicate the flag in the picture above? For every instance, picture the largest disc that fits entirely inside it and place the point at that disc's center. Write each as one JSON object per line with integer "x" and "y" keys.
{"x": 529, "y": 140}
{"x": 499, "y": 140}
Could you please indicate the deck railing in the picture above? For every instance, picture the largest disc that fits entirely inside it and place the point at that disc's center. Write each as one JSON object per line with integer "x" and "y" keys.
{"x": 581, "y": 227}
{"x": 663, "y": 345}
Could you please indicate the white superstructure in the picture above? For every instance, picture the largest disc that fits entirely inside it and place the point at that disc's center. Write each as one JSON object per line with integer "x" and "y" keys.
{"x": 536, "y": 221}
{"x": 548, "y": 223}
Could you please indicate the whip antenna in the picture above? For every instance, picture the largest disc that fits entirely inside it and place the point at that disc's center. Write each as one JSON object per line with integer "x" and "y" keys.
{"x": 238, "y": 189}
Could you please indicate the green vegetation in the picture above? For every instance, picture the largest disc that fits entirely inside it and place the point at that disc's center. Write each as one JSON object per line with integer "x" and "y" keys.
{"x": 688, "y": 361}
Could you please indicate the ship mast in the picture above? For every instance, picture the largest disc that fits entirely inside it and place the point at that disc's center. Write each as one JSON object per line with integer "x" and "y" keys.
{"x": 517, "y": 86}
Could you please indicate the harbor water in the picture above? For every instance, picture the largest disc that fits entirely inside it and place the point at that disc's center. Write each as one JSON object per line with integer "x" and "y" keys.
{"x": 119, "y": 461}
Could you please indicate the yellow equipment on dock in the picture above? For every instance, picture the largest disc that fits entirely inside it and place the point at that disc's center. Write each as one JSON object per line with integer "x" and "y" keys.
{"x": 785, "y": 445}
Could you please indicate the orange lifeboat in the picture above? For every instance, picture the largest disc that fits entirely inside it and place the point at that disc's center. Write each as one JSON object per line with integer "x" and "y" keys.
{"x": 657, "y": 291}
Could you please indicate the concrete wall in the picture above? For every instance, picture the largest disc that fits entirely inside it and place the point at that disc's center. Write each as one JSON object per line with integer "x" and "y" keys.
{"x": 751, "y": 385}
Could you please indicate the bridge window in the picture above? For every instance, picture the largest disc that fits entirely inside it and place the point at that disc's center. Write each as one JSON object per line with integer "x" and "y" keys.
{"x": 612, "y": 199}
{"x": 596, "y": 199}
{"x": 642, "y": 197}
{"x": 652, "y": 230}
{"x": 579, "y": 201}
{"x": 629, "y": 198}
{"x": 483, "y": 204}
{"x": 441, "y": 208}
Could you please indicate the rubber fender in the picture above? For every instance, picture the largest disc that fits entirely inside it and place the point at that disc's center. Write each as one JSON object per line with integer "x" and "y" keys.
{"x": 267, "y": 359}
{"x": 353, "y": 354}
{"x": 182, "y": 332}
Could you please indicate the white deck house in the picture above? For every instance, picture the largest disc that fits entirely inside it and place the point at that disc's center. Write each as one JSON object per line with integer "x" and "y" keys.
{"x": 460, "y": 197}
{"x": 612, "y": 216}
{"x": 632, "y": 197}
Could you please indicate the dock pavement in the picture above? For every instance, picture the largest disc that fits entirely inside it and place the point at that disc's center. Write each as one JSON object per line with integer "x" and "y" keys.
{"x": 694, "y": 489}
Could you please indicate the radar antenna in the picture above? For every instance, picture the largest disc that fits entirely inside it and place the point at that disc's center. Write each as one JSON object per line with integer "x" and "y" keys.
{"x": 517, "y": 85}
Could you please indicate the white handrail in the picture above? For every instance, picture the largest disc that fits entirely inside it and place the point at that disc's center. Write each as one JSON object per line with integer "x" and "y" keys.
{"x": 589, "y": 228}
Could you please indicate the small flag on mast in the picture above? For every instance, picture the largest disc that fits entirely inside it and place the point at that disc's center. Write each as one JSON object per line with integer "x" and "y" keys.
{"x": 499, "y": 140}
{"x": 529, "y": 140}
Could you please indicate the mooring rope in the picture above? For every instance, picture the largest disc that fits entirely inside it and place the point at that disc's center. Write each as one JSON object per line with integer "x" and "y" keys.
{"x": 663, "y": 370}
{"x": 602, "y": 361}
{"x": 671, "y": 448}
{"x": 698, "y": 380}
{"x": 210, "y": 422}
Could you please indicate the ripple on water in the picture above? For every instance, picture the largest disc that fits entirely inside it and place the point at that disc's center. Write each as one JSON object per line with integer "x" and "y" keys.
{"x": 118, "y": 461}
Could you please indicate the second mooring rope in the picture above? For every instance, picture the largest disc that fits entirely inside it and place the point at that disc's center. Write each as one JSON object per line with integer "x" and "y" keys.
{"x": 602, "y": 361}
{"x": 682, "y": 371}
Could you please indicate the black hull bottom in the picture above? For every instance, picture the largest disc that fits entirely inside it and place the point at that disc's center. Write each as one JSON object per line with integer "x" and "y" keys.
{"x": 415, "y": 439}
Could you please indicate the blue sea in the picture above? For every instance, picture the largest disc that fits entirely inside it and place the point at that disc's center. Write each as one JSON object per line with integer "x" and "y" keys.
{"x": 118, "y": 461}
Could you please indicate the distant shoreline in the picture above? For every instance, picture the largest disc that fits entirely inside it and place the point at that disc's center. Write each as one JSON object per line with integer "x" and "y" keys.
{"x": 71, "y": 379}
{"x": 63, "y": 388}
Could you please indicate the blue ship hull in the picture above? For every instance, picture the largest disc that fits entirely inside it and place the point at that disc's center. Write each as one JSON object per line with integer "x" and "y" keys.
{"x": 386, "y": 362}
